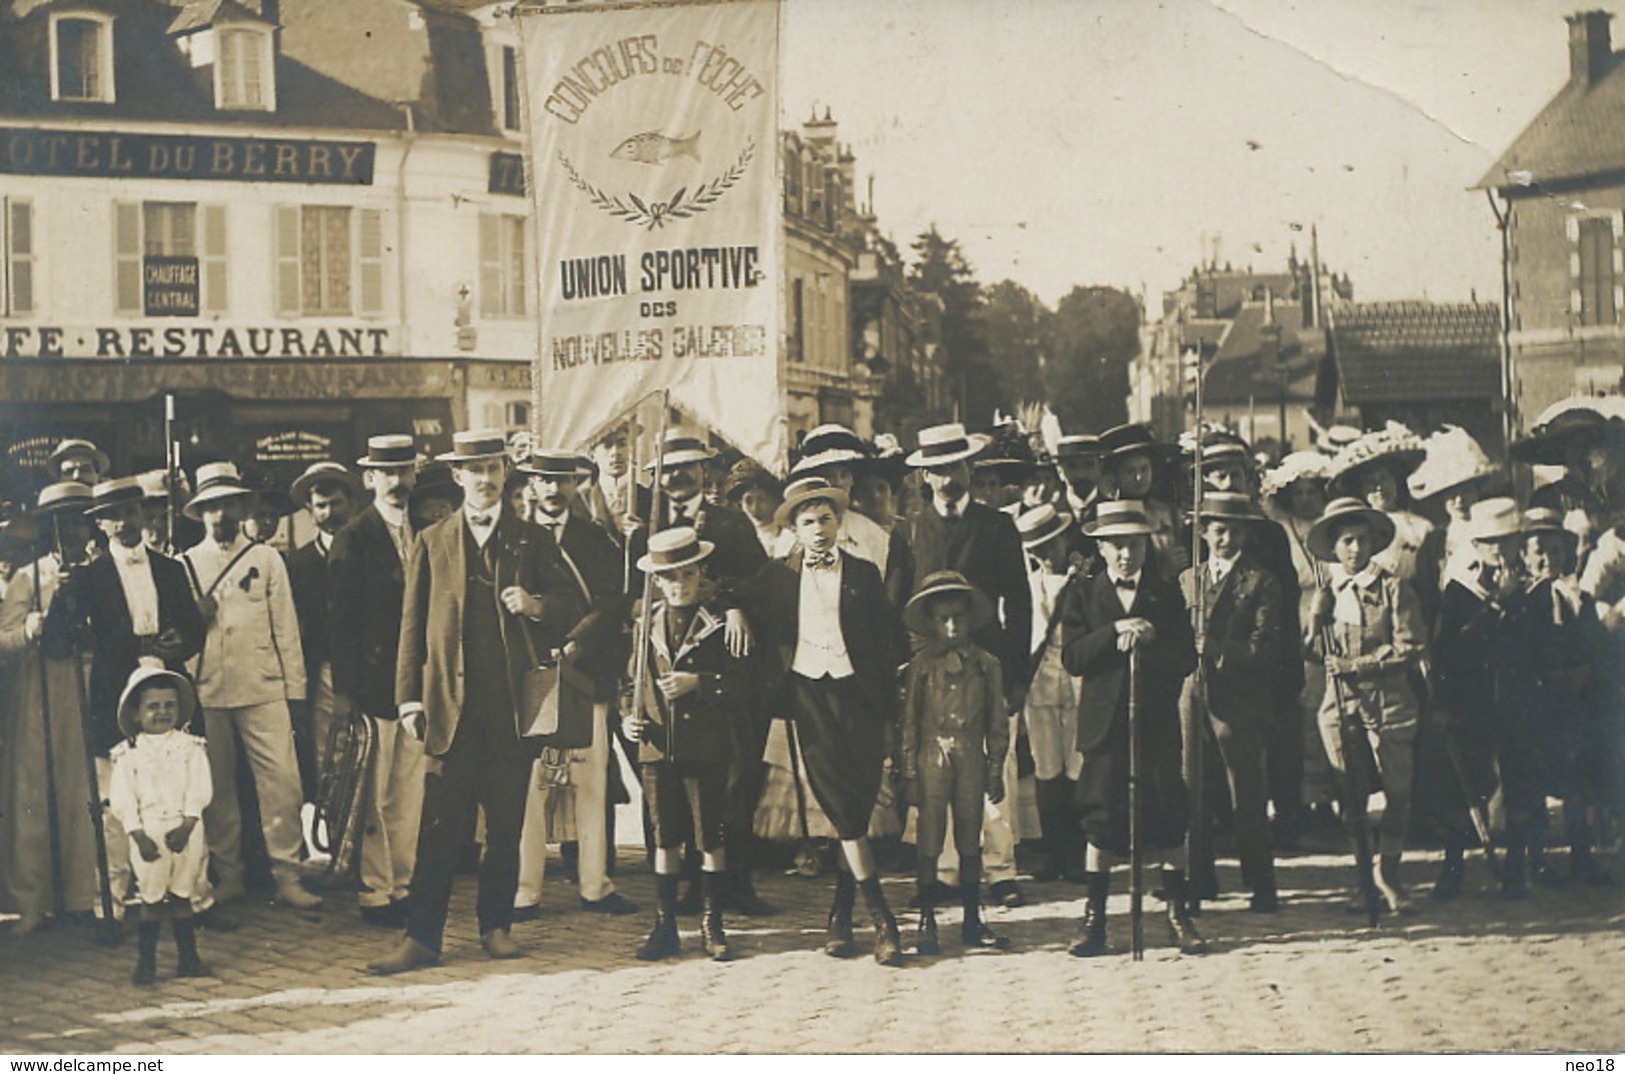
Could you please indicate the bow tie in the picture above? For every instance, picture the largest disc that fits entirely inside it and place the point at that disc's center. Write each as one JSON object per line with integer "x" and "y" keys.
{"x": 821, "y": 561}
{"x": 1125, "y": 583}
{"x": 480, "y": 521}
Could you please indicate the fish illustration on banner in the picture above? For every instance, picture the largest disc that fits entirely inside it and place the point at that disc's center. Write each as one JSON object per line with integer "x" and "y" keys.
{"x": 658, "y": 212}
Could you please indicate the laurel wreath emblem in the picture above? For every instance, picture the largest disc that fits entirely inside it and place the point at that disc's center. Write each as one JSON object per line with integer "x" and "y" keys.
{"x": 683, "y": 204}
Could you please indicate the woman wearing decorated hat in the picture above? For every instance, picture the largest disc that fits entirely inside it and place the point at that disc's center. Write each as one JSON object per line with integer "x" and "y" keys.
{"x": 46, "y": 837}
{"x": 1375, "y": 469}
{"x": 1452, "y": 477}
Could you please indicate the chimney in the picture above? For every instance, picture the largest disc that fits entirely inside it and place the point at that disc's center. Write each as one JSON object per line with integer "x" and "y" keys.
{"x": 1591, "y": 53}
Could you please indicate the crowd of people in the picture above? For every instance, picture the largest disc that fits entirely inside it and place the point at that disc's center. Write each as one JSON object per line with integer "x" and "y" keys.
{"x": 1096, "y": 646}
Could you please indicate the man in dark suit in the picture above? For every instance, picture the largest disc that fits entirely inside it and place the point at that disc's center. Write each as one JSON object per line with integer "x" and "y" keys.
{"x": 328, "y": 491}
{"x": 486, "y": 596}
{"x": 682, "y": 486}
{"x": 596, "y": 645}
{"x": 134, "y": 606}
{"x": 366, "y": 571}
{"x": 952, "y": 532}
{"x": 1244, "y": 613}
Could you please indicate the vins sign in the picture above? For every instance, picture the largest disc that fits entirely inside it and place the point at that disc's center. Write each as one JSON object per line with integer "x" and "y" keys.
{"x": 169, "y": 286}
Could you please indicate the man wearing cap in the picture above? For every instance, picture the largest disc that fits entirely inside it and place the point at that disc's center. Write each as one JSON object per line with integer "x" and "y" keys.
{"x": 487, "y": 598}
{"x": 249, "y": 673}
{"x": 41, "y": 878}
{"x": 328, "y": 491}
{"x": 78, "y": 460}
{"x": 366, "y": 572}
{"x": 951, "y": 531}
{"x": 134, "y": 608}
{"x": 595, "y": 645}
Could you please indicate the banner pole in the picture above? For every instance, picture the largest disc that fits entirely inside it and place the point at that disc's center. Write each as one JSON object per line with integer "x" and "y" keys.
{"x": 640, "y": 659}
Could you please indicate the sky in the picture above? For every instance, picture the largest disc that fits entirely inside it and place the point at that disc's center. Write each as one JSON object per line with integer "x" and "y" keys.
{"x": 1120, "y": 142}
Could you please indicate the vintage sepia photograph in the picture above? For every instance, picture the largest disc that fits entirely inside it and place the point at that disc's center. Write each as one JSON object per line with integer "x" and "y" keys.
{"x": 656, "y": 528}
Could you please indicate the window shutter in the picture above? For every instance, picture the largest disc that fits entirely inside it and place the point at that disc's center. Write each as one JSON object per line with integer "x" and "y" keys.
{"x": 127, "y": 256}
{"x": 20, "y": 221}
{"x": 213, "y": 259}
{"x": 490, "y": 265}
{"x": 516, "y": 265}
{"x": 370, "y": 261}
{"x": 287, "y": 260}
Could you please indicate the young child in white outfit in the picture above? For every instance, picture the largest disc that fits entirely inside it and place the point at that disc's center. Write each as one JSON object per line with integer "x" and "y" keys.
{"x": 159, "y": 787}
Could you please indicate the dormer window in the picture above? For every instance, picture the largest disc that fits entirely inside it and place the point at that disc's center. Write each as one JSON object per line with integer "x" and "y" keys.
{"x": 81, "y": 56}
{"x": 242, "y": 69}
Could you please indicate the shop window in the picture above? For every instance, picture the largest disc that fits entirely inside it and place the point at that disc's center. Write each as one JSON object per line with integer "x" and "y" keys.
{"x": 243, "y": 69}
{"x": 17, "y": 247}
{"x": 329, "y": 260}
{"x": 81, "y": 56}
{"x": 169, "y": 258}
{"x": 502, "y": 265}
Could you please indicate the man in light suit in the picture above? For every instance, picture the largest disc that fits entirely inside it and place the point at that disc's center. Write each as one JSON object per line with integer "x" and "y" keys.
{"x": 486, "y": 596}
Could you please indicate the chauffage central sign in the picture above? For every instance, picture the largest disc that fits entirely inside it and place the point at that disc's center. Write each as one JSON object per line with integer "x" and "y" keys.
{"x": 106, "y": 155}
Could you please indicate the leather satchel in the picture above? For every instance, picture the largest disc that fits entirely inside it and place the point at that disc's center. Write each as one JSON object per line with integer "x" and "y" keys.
{"x": 555, "y": 706}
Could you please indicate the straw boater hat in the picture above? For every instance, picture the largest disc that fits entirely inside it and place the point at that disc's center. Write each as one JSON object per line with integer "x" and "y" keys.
{"x": 1453, "y": 458}
{"x": 553, "y": 462}
{"x": 1294, "y": 467}
{"x": 681, "y": 447}
{"x": 390, "y": 451}
{"x": 1135, "y": 438}
{"x": 78, "y": 447}
{"x": 318, "y": 473}
{"x": 1493, "y": 519}
{"x": 1549, "y": 520}
{"x": 155, "y": 484}
{"x": 1340, "y": 511}
{"x": 1393, "y": 445}
{"x": 1547, "y": 443}
{"x": 1040, "y": 524}
{"x": 1219, "y": 449}
{"x": 673, "y": 548}
{"x": 1077, "y": 446}
{"x": 1228, "y": 506}
{"x": 112, "y": 495}
{"x": 474, "y": 445}
{"x": 63, "y": 498}
{"x": 940, "y": 584}
{"x": 1119, "y": 518}
{"x": 942, "y": 445}
{"x": 804, "y": 489}
{"x": 143, "y": 677}
{"x": 216, "y": 481}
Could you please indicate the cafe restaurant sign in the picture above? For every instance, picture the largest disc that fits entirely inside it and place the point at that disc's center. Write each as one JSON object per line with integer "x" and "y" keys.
{"x": 213, "y": 340}
{"x": 106, "y": 155}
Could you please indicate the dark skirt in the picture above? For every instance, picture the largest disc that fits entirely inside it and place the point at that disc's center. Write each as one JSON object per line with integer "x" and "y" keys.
{"x": 1103, "y": 792}
{"x": 843, "y": 746}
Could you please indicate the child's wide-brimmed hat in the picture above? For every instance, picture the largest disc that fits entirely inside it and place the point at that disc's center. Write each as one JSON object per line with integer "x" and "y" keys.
{"x": 1338, "y": 513}
{"x": 673, "y": 548}
{"x": 140, "y": 679}
{"x": 1295, "y": 467}
{"x": 1040, "y": 524}
{"x": 1453, "y": 458}
{"x": 1119, "y": 518}
{"x": 1493, "y": 519}
{"x": 804, "y": 489}
{"x": 1393, "y": 446}
{"x": 943, "y": 445}
{"x": 939, "y": 584}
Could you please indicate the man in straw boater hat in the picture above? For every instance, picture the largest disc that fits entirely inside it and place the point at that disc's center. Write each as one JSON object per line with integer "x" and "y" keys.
{"x": 825, "y": 614}
{"x": 487, "y": 597}
{"x": 951, "y": 531}
{"x": 1246, "y": 635}
{"x": 135, "y": 607}
{"x": 1131, "y": 457}
{"x": 693, "y": 696}
{"x": 596, "y": 645}
{"x": 250, "y": 671}
{"x": 47, "y": 838}
{"x": 366, "y": 572}
{"x": 1122, "y": 620}
{"x": 1078, "y": 457}
{"x": 682, "y": 485}
{"x": 78, "y": 460}
{"x": 1366, "y": 628}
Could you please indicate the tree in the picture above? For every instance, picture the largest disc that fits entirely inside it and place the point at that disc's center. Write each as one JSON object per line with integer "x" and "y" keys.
{"x": 940, "y": 269}
{"x": 1018, "y": 326}
{"x": 1095, "y": 333}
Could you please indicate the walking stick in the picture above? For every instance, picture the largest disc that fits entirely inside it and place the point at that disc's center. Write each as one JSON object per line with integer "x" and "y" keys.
{"x": 1136, "y": 852}
{"x": 1195, "y": 722}
{"x": 53, "y": 823}
{"x": 1354, "y": 795}
{"x": 640, "y": 658}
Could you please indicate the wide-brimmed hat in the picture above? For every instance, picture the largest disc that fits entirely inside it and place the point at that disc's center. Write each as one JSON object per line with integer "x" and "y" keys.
{"x": 673, "y": 548}
{"x": 942, "y": 445}
{"x": 1229, "y": 506}
{"x": 833, "y": 438}
{"x": 940, "y": 584}
{"x": 1119, "y": 518}
{"x": 1393, "y": 446}
{"x": 1339, "y": 512}
{"x": 1078, "y": 445}
{"x": 554, "y": 462}
{"x": 804, "y": 489}
{"x": 111, "y": 495}
{"x": 1294, "y": 467}
{"x": 1548, "y": 520}
{"x": 389, "y": 451}
{"x": 1453, "y": 458}
{"x": 1495, "y": 518}
{"x": 216, "y": 481}
{"x": 318, "y": 473}
{"x": 78, "y": 447}
{"x": 145, "y": 676}
{"x": 749, "y": 474}
{"x": 1040, "y": 524}
{"x": 63, "y": 498}
{"x": 1548, "y": 443}
{"x": 680, "y": 448}
{"x": 475, "y": 444}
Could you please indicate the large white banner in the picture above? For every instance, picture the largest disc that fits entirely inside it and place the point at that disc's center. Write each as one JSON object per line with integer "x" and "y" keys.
{"x": 654, "y": 149}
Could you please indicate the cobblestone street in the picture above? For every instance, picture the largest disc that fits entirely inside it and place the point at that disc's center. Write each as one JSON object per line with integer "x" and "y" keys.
{"x": 1481, "y": 975}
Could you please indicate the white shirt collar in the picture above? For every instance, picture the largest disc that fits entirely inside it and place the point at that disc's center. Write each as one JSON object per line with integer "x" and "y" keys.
{"x": 556, "y": 524}
{"x": 690, "y": 506}
{"x": 1114, "y": 577}
{"x": 393, "y": 516}
{"x": 128, "y": 557}
{"x": 1219, "y": 568}
{"x": 494, "y": 512}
